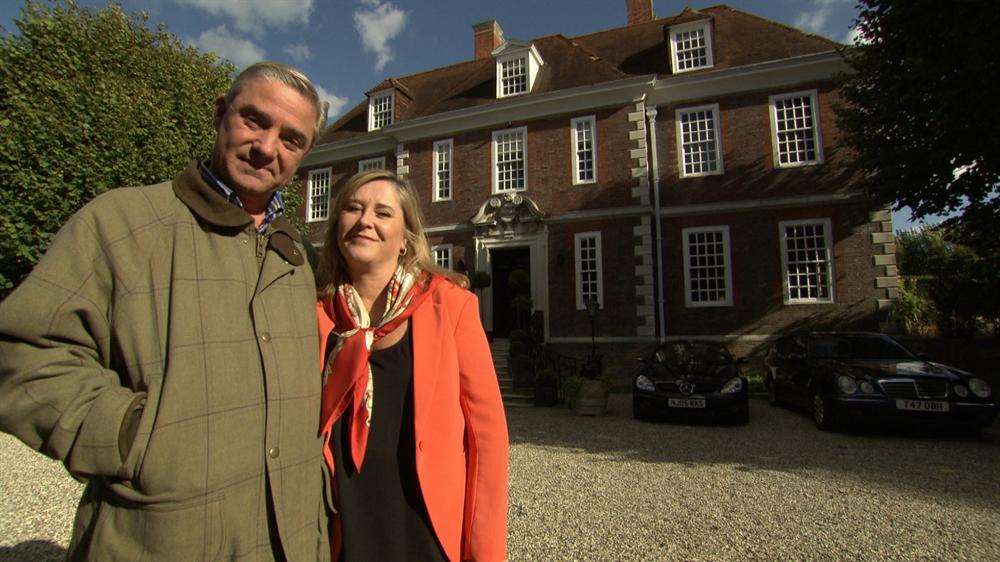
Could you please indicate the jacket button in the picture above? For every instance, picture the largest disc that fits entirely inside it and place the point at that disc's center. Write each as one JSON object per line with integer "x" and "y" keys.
{"x": 265, "y": 337}
{"x": 245, "y": 241}
{"x": 273, "y": 452}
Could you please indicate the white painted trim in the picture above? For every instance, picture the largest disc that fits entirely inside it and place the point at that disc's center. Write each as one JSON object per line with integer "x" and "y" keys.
{"x": 499, "y": 72}
{"x": 716, "y": 124}
{"x": 590, "y": 214}
{"x": 523, "y": 131}
{"x": 727, "y": 258}
{"x": 706, "y": 25}
{"x": 783, "y": 246}
{"x": 813, "y": 96}
{"x": 457, "y": 227}
{"x": 391, "y": 94}
{"x": 451, "y": 170}
{"x": 752, "y": 77}
{"x": 757, "y": 204}
{"x": 309, "y": 188}
{"x": 573, "y": 142}
{"x": 380, "y": 160}
{"x": 439, "y": 247}
{"x": 580, "y": 305}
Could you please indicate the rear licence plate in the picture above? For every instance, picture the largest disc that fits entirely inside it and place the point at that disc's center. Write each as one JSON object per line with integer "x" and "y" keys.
{"x": 921, "y": 405}
{"x": 686, "y": 402}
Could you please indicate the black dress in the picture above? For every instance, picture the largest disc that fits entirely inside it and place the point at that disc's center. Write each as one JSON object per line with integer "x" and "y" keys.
{"x": 382, "y": 513}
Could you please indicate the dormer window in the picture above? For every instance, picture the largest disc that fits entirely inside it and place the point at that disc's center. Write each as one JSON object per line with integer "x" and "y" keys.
{"x": 691, "y": 47}
{"x": 380, "y": 110}
{"x": 514, "y": 76}
{"x": 517, "y": 66}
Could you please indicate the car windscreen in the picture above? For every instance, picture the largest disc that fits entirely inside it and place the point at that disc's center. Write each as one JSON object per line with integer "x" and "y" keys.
{"x": 698, "y": 352}
{"x": 857, "y": 347}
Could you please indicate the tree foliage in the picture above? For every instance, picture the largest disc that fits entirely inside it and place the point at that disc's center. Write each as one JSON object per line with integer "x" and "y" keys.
{"x": 921, "y": 110}
{"x": 91, "y": 100}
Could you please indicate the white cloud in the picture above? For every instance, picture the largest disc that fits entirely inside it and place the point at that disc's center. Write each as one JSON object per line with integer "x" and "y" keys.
{"x": 377, "y": 24}
{"x": 253, "y": 16}
{"x": 219, "y": 40}
{"x": 814, "y": 20}
{"x": 299, "y": 52}
{"x": 336, "y": 102}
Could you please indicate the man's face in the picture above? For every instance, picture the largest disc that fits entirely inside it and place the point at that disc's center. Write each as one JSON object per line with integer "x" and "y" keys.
{"x": 263, "y": 134}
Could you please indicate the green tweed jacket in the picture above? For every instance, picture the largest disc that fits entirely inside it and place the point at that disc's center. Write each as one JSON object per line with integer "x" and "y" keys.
{"x": 165, "y": 297}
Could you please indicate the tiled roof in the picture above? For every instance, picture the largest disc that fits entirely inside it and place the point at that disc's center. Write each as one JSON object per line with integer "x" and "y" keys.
{"x": 739, "y": 39}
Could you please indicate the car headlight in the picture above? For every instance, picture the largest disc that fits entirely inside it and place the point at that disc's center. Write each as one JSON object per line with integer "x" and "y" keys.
{"x": 961, "y": 391}
{"x": 642, "y": 382}
{"x": 867, "y": 387}
{"x": 979, "y": 387}
{"x": 846, "y": 384}
{"x": 732, "y": 386}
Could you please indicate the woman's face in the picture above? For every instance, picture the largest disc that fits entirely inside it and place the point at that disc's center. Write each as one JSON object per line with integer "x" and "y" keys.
{"x": 371, "y": 228}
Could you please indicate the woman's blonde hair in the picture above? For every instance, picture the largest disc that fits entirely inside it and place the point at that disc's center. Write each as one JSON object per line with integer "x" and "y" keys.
{"x": 332, "y": 270}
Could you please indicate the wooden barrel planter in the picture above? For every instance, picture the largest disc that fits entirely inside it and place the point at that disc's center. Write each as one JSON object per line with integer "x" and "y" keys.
{"x": 592, "y": 399}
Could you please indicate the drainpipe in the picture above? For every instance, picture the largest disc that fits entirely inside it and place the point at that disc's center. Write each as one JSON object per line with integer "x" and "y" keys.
{"x": 655, "y": 171}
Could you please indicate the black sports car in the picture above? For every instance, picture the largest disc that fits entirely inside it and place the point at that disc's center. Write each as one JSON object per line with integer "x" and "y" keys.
{"x": 851, "y": 377}
{"x": 690, "y": 379}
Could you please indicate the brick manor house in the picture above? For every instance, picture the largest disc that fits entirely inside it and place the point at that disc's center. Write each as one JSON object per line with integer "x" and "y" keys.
{"x": 683, "y": 171}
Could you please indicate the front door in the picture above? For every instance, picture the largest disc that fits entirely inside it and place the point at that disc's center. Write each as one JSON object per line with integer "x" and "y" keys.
{"x": 505, "y": 315}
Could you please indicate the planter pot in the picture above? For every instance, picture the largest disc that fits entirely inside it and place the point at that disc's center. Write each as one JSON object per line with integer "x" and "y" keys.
{"x": 546, "y": 396}
{"x": 592, "y": 400}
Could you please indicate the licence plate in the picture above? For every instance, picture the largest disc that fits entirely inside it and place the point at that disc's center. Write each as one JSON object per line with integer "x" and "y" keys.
{"x": 921, "y": 405}
{"x": 686, "y": 402}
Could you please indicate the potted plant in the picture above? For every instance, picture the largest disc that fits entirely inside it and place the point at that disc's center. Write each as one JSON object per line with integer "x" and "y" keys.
{"x": 546, "y": 387}
{"x": 570, "y": 389}
{"x": 592, "y": 396}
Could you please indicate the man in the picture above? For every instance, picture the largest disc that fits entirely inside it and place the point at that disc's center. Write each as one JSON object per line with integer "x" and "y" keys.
{"x": 165, "y": 349}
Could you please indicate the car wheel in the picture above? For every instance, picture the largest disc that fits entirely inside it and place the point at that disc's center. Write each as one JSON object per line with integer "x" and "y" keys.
{"x": 822, "y": 414}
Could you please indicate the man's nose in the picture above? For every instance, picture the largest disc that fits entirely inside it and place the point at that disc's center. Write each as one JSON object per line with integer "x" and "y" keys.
{"x": 265, "y": 147}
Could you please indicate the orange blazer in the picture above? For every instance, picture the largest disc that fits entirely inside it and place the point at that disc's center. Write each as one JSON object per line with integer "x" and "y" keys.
{"x": 459, "y": 425}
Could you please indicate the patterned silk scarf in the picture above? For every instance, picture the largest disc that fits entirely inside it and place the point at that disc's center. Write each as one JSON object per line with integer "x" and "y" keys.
{"x": 350, "y": 386}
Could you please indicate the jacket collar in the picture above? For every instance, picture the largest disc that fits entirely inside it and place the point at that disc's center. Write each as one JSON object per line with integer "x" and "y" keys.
{"x": 207, "y": 203}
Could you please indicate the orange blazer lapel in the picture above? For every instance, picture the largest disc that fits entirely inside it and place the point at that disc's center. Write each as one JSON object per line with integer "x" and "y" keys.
{"x": 428, "y": 332}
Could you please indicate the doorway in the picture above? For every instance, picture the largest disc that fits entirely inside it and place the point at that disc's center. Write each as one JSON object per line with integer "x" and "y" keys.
{"x": 504, "y": 261}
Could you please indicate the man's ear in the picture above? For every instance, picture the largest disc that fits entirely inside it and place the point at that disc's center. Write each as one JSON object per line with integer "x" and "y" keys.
{"x": 220, "y": 107}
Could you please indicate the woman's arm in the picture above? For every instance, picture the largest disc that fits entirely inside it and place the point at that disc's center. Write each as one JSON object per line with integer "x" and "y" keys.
{"x": 484, "y": 529}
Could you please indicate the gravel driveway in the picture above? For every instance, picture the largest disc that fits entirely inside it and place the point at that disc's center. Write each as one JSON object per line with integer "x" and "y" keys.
{"x": 612, "y": 488}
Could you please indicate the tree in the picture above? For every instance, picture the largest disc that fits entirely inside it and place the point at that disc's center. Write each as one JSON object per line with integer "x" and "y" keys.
{"x": 91, "y": 100}
{"x": 921, "y": 111}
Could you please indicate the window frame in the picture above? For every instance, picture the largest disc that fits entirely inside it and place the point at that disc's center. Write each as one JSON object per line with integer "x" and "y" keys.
{"x": 523, "y": 130}
{"x": 436, "y": 187}
{"x": 817, "y": 134}
{"x": 727, "y": 254}
{"x": 379, "y": 159}
{"x": 706, "y": 27}
{"x": 599, "y": 260}
{"x": 372, "y": 100}
{"x": 828, "y": 246}
{"x": 717, "y": 127}
{"x": 574, "y": 141}
{"x": 451, "y": 254}
{"x": 526, "y": 56}
{"x": 309, "y": 193}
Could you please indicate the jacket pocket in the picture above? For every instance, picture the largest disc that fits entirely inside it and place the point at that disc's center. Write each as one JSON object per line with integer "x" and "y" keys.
{"x": 189, "y": 531}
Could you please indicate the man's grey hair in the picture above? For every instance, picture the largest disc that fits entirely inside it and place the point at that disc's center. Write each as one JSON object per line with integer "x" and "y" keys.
{"x": 289, "y": 76}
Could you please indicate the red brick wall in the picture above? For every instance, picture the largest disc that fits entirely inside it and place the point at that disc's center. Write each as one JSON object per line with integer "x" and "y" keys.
{"x": 758, "y": 305}
{"x": 550, "y": 168}
{"x": 748, "y": 163}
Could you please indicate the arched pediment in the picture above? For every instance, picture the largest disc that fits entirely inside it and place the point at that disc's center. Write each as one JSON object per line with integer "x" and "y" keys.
{"x": 507, "y": 215}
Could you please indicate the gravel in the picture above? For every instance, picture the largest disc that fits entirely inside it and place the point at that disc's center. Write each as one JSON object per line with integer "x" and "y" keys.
{"x": 611, "y": 488}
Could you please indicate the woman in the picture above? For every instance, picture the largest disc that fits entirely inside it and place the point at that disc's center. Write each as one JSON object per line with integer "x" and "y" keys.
{"x": 415, "y": 435}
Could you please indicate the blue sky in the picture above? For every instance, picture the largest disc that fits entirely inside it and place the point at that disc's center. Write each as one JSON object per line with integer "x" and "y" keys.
{"x": 348, "y": 46}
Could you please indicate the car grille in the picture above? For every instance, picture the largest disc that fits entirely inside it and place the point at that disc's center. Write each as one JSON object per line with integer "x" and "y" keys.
{"x": 908, "y": 388}
{"x": 699, "y": 388}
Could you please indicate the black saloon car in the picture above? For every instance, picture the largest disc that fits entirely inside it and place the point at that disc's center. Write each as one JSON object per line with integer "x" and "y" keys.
{"x": 688, "y": 379}
{"x": 853, "y": 378}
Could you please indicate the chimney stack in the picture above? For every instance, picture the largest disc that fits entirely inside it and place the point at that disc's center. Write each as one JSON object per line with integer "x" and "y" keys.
{"x": 639, "y": 11}
{"x": 488, "y": 36}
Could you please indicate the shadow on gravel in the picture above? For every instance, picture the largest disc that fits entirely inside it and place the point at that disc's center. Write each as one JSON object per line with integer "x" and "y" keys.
{"x": 935, "y": 466}
{"x": 34, "y": 551}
